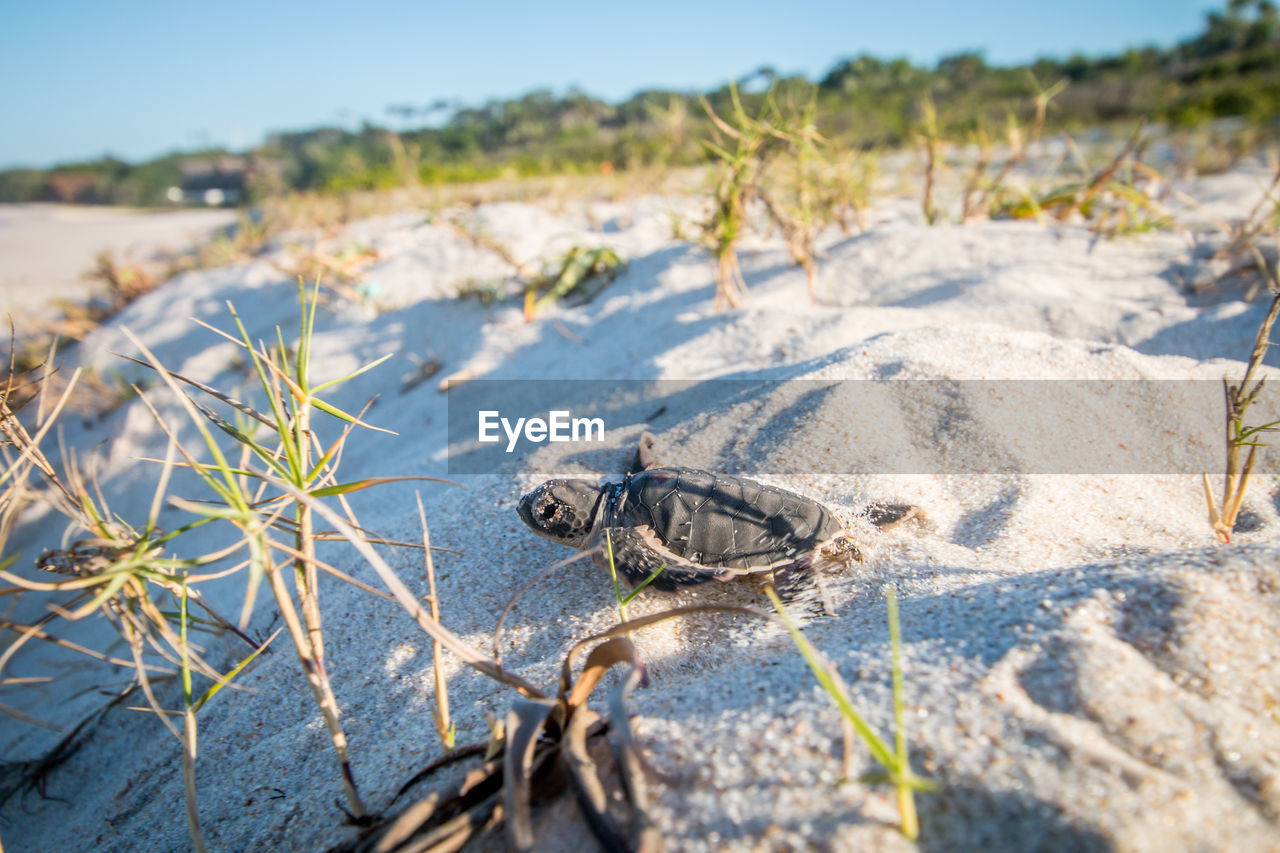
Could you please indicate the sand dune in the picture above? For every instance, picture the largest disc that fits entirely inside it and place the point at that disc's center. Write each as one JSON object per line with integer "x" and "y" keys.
{"x": 45, "y": 249}
{"x": 1085, "y": 669}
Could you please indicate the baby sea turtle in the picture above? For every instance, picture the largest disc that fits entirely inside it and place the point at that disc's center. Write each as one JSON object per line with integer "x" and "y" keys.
{"x": 696, "y": 526}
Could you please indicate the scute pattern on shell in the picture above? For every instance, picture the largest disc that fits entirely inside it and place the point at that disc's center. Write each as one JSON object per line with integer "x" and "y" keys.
{"x": 721, "y": 522}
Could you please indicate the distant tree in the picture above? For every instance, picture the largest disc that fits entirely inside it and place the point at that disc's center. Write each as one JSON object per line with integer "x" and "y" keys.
{"x": 962, "y": 68}
{"x": 760, "y": 80}
{"x": 1242, "y": 24}
{"x": 1230, "y": 68}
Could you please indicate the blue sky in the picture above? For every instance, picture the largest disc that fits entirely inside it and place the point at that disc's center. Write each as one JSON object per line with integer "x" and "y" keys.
{"x": 81, "y": 79}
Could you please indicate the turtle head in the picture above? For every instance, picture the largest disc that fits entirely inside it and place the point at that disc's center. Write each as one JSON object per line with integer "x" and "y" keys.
{"x": 563, "y": 510}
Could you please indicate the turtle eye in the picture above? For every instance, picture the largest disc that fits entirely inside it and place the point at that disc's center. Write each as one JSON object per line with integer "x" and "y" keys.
{"x": 549, "y": 511}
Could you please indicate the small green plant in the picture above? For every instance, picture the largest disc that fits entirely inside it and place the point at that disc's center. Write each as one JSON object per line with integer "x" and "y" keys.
{"x": 804, "y": 190}
{"x": 980, "y": 191}
{"x": 120, "y": 573}
{"x": 484, "y": 291}
{"x": 578, "y": 275}
{"x": 624, "y": 600}
{"x": 853, "y": 174}
{"x": 1117, "y": 198}
{"x": 341, "y": 270}
{"x": 929, "y": 139}
{"x": 1239, "y": 435}
{"x": 268, "y": 494}
{"x": 125, "y": 282}
{"x": 741, "y": 149}
{"x": 627, "y": 598}
{"x": 894, "y": 760}
{"x": 293, "y": 461}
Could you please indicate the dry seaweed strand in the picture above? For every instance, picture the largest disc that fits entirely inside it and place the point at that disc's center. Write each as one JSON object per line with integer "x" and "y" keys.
{"x": 551, "y": 743}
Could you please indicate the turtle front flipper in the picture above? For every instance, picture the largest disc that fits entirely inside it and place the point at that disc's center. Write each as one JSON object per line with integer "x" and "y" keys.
{"x": 646, "y": 454}
{"x": 638, "y": 553}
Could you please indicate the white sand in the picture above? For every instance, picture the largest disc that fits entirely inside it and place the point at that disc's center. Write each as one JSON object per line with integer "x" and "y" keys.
{"x": 1084, "y": 668}
{"x": 45, "y": 249}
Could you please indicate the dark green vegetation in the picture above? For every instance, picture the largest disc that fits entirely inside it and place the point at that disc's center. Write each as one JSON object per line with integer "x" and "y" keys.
{"x": 1232, "y": 68}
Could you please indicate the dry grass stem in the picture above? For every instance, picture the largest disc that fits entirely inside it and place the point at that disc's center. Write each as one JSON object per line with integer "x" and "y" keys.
{"x": 444, "y": 726}
{"x": 929, "y": 138}
{"x": 1241, "y": 440}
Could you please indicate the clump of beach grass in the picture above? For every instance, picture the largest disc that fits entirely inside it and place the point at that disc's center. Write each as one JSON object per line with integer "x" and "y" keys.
{"x": 1243, "y": 252}
{"x": 267, "y": 495}
{"x": 119, "y": 572}
{"x": 576, "y": 276}
{"x": 929, "y": 140}
{"x": 853, "y": 175}
{"x": 804, "y": 196}
{"x": 981, "y": 190}
{"x": 739, "y": 146}
{"x": 1117, "y": 198}
{"x": 125, "y": 282}
{"x": 261, "y": 501}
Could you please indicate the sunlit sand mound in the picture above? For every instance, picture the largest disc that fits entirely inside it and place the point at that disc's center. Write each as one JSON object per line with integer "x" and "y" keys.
{"x": 1084, "y": 668}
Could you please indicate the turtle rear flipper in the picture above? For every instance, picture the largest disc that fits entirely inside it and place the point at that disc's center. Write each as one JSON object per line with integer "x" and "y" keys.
{"x": 886, "y": 516}
{"x": 802, "y": 591}
{"x": 800, "y": 583}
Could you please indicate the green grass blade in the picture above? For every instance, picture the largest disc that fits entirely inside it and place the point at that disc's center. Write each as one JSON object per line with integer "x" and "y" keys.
{"x": 308, "y": 314}
{"x": 613, "y": 573}
{"x": 258, "y": 556}
{"x": 718, "y": 151}
{"x": 111, "y": 588}
{"x": 278, "y": 413}
{"x": 357, "y": 485}
{"x": 343, "y": 416}
{"x": 226, "y": 679}
{"x": 643, "y": 584}
{"x": 323, "y": 386}
{"x": 184, "y": 650}
{"x": 243, "y": 438}
{"x": 903, "y": 776}
{"x": 880, "y": 751}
